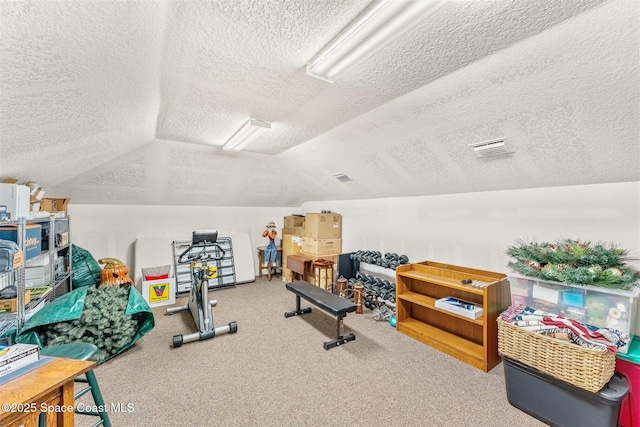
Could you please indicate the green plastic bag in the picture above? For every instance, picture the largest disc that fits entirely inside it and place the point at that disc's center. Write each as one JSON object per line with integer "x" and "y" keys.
{"x": 85, "y": 314}
{"x": 85, "y": 268}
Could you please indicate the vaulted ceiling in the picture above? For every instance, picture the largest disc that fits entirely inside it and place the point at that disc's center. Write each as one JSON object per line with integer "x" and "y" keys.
{"x": 130, "y": 102}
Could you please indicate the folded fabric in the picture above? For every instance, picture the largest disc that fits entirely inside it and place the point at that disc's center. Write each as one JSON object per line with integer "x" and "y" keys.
{"x": 511, "y": 312}
{"x": 588, "y": 336}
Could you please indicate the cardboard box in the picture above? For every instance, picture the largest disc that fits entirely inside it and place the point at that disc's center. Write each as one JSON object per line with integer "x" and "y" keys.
{"x": 18, "y": 259}
{"x": 323, "y": 226}
{"x": 159, "y": 292}
{"x": 16, "y": 199}
{"x": 287, "y": 275}
{"x": 291, "y": 245}
{"x": 592, "y": 305}
{"x": 63, "y": 240}
{"x": 54, "y": 205}
{"x": 295, "y": 231}
{"x": 33, "y": 242}
{"x": 60, "y": 233}
{"x": 11, "y": 305}
{"x": 293, "y": 221}
{"x": 314, "y": 246}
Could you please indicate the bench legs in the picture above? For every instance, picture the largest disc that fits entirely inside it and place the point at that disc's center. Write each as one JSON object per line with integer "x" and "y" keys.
{"x": 298, "y": 311}
{"x": 340, "y": 338}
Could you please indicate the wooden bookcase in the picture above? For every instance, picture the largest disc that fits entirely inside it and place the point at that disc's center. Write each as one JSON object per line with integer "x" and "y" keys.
{"x": 473, "y": 341}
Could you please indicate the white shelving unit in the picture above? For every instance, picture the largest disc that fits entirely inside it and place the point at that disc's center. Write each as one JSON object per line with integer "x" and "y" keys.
{"x": 58, "y": 281}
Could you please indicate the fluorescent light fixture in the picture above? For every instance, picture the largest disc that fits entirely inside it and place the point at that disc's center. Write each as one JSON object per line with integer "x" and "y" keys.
{"x": 249, "y": 132}
{"x": 380, "y": 24}
{"x": 490, "y": 148}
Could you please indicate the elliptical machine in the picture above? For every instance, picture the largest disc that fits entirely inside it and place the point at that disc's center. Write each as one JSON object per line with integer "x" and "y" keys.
{"x": 199, "y": 304}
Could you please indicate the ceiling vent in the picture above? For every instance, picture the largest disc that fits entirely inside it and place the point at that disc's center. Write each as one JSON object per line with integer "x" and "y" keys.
{"x": 341, "y": 177}
{"x": 490, "y": 148}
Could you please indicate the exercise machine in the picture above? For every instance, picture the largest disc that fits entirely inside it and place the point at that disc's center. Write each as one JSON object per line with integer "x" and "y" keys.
{"x": 198, "y": 254}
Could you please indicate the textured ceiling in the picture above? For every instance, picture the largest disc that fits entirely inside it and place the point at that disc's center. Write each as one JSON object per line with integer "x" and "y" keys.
{"x": 129, "y": 102}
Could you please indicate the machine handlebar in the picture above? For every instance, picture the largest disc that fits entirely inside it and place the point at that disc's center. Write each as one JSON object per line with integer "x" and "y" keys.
{"x": 203, "y": 255}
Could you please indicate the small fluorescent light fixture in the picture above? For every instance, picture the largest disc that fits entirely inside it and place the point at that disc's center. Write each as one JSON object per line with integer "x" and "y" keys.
{"x": 380, "y": 24}
{"x": 490, "y": 148}
{"x": 249, "y": 132}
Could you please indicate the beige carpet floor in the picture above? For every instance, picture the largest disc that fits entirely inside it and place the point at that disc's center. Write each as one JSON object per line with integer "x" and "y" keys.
{"x": 275, "y": 372}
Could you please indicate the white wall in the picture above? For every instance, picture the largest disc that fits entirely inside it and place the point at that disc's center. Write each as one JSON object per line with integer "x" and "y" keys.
{"x": 110, "y": 231}
{"x": 471, "y": 229}
{"x": 475, "y": 229}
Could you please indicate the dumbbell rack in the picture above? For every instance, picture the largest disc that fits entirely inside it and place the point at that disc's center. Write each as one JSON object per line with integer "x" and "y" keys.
{"x": 226, "y": 268}
{"x": 383, "y": 308}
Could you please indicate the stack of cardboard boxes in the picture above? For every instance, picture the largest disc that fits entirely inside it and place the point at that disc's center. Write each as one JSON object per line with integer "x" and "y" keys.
{"x": 18, "y": 200}
{"x": 313, "y": 236}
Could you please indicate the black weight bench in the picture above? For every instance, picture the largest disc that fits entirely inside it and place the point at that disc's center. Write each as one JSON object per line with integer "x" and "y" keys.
{"x": 325, "y": 300}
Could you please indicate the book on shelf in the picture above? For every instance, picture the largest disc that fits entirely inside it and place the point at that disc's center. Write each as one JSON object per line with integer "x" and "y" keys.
{"x": 461, "y": 307}
{"x": 39, "y": 292}
{"x": 16, "y": 356}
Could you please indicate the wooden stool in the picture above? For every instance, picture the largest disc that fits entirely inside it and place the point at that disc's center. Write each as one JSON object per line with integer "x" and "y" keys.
{"x": 82, "y": 351}
{"x": 323, "y": 272}
{"x": 271, "y": 269}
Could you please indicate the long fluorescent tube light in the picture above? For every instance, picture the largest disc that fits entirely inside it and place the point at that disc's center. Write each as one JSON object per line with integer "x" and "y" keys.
{"x": 249, "y": 132}
{"x": 380, "y": 24}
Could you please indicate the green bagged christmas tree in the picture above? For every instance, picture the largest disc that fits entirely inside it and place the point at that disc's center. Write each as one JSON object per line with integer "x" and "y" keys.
{"x": 103, "y": 323}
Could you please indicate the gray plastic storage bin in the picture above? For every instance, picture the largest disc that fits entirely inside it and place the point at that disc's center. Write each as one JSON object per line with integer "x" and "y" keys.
{"x": 561, "y": 404}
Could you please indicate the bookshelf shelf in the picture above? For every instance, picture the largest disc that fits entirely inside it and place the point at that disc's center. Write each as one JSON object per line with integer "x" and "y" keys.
{"x": 473, "y": 341}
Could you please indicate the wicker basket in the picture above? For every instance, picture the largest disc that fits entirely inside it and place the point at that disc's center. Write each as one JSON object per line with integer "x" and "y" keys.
{"x": 586, "y": 368}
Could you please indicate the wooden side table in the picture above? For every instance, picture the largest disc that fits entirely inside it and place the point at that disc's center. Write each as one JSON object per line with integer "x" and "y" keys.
{"x": 298, "y": 265}
{"x": 270, "y": 268}
{"x": 49, "y": 386}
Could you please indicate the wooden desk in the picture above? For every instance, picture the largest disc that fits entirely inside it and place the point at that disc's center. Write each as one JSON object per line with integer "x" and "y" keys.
{"x": 51, "y": 385}
{"x": 270, "y": 269}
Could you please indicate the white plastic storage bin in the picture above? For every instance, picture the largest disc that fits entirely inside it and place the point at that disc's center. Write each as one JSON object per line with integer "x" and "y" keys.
{"x": 592, "y": 305}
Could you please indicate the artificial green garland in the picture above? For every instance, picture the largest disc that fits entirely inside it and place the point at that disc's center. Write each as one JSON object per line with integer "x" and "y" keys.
{"x": 103, "y": 322}
{"x": 574, "y": 261}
